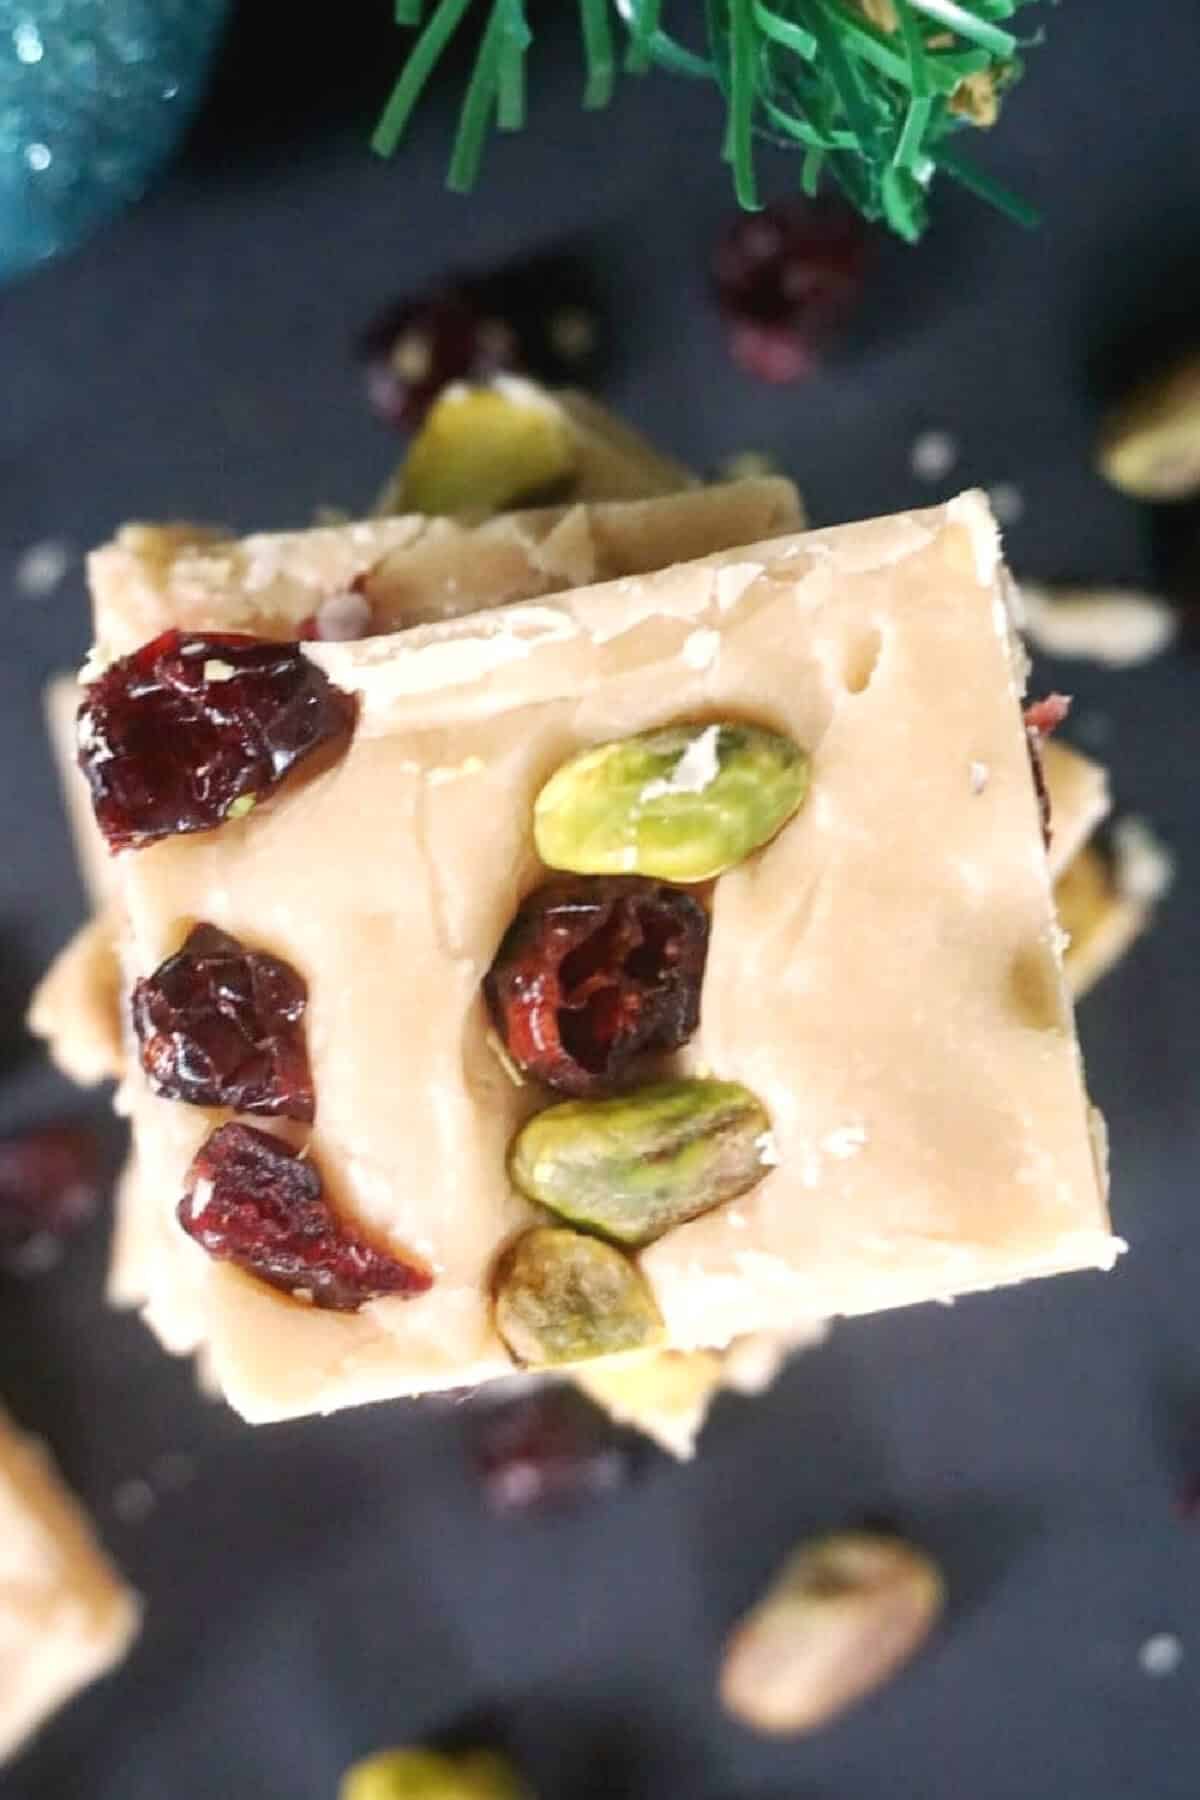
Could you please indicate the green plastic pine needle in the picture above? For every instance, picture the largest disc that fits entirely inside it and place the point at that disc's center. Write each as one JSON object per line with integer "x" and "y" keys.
{"x": 872, "y": 93}
{"x": 598, "y": 49}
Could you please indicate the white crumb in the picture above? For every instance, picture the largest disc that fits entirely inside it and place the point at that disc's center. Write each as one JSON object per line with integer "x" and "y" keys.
{"x": 695, "y": 770}
{"x": 933, "y": 455}
{"x": 1007, "y": 502}
{"x": 977, "y": 775}
{"x": 41, "y": 568}
{"x": 768, "y": 1150}
{"x": 845, "y": 1142}
{"x": 343, "y": 618}
{"x": 1161, "y": 1654}
{"x": 1143, "y": 866}
{"x": 216, "y": 670}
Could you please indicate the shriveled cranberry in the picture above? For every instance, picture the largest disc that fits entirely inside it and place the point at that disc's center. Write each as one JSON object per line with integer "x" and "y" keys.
{"x": 194, "y": 729}
{"x": 786, "y": 279}
{"x": 547, "y": 1450}
{"x": 1041, "y": 718}
{"x": 593, "y": 972}
{"x": 50, "y": 1181}
{"x": 537, "y": 316}
{"x": 252, "y": 1201}
{"x": 221, "y": 1025}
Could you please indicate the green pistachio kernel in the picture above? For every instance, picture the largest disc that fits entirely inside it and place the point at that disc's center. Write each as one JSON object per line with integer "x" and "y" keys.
{"x": 634, "y": 1167}
{"x": 562, "y": 1297}
{"x": 430, "y": 1775}
{"x": 484, "y": 449}
{"x": 683, "y": 804}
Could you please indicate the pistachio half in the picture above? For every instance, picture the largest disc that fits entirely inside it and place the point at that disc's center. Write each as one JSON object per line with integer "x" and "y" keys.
{"x": 431, "y": 1775}
{"x": 562, "y": 1297}
{"x": 1150, "y": 445}
{"x": 683, "y": 804}
{"x": 484, "y": 449}
{"x": 844, "y": 1614}
{"x": 635, "y": 1166}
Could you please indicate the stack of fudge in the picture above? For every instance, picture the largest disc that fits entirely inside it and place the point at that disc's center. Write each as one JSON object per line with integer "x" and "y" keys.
{"x": 885, "y": 974}
{"x": 572, "y": 923}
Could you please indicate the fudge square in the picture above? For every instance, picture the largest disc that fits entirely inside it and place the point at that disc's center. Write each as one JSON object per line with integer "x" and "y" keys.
{"x": 65, "y": 1615}
{"x": 885, "y": 975}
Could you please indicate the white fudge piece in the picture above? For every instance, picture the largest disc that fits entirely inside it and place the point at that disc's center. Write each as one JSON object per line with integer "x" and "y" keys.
{"x": 65, "y": 1615}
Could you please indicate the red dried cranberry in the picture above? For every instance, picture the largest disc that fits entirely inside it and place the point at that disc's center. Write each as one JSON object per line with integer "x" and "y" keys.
{"x": 538, "y": 315}
{"x": 220, "y": 1025}
{"x": 786, "y": 279}
{"x": 49, "y": 1185}
{"x": 546, "y": 1450}
{"x": 593, "y": 972}
{"x": 251, "y": 1201}
{"x": 1187, "y": 1503}
{"x": 418, "y": 347}
{"x": 1041, "y": 718}
{"x": 193, "y": 728}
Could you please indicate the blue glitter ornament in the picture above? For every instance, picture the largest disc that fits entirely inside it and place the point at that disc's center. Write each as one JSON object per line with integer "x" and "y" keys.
{"x": 94, "y": 95}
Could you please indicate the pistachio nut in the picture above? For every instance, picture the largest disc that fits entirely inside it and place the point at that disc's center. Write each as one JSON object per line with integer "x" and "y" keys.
{"x": 484, "y": 449}
{"x": 562, "y": 1297}
{"x": 1150, "y": 444}
{"x": 683, "y": 804}
{"x": 431, "y": 1775}
{"x": 633, "y": 1167}
{"x": 844, "y": 1614}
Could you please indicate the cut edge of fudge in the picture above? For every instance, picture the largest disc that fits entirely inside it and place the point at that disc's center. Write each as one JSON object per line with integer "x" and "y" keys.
{"x": 66, "y": 1617}
{"x": 411, "y": 569}
{"x": 396, "y": 679}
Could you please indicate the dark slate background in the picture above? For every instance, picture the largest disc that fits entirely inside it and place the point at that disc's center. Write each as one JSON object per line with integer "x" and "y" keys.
{"x": 322, "y": 1588}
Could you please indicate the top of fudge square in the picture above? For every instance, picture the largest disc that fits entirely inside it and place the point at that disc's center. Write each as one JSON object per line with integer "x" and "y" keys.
{"x": 885, "y": 975}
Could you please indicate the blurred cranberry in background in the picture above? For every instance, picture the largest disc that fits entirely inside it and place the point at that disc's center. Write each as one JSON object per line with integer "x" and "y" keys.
{"x": 786, "y": 280}
{"x": 539, "y": 317}
{"x": 50, "y": 1182}
{"x": 547, "y": 1450}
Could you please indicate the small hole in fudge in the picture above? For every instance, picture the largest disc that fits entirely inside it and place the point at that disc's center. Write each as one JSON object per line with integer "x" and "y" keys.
{"x": 1035, "y": 990}
{"x": 586, "y": 1032}
{"x": 862, "y": 659}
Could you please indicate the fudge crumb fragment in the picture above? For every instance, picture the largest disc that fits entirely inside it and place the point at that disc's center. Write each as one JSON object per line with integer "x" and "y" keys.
{"x": 41, "y": 568}
{"x": 933, "y": 455}
{"x": 1160, "y": 1655}
{"x": 133, "y": 1501}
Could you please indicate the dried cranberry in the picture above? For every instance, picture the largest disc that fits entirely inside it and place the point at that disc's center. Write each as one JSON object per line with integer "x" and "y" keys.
{"x": 786, "y": 279}
{"x": 418, "y": 347}
{"x": 1041, "y": 718}
{"x": 592, "y": 972}
{"x": 194, "y": 729}
{"x": 49, "y": 1185}
{"x": 546, "y": 1450}
{"x": 538, "y": 316}
{"x": 1187, "y": 1503}
{"x": 220, "y": 1025}
{"x": 252, "y": 1201}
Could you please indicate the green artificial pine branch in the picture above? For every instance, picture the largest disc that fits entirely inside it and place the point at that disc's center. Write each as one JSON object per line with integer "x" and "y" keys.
{"x": 870, "y": 92}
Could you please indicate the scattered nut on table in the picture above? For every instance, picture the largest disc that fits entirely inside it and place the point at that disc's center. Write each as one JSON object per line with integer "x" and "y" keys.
{"x": 844, "y": 1614}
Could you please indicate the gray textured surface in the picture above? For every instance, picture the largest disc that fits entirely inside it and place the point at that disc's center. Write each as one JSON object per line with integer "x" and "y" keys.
{"x": 322, "y": 1588}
